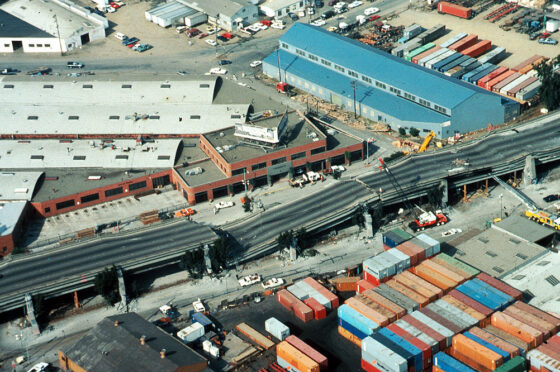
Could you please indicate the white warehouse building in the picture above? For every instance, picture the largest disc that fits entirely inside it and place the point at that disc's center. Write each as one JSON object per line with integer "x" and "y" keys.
{"x": 281, "y": 8}
{"x": 43, "y": 26}
{"x": 230, "y": 15}
{"x": 173, "y": 13}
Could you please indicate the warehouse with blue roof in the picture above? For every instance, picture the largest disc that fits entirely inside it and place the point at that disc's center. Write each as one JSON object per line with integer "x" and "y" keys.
{"x": 382, "y": 87}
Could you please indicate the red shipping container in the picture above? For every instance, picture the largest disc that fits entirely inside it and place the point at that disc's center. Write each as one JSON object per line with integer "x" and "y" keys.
{"x": 316, "y": 356}
{"x": 303, "y": 312}
{"x": 529, "y": 61}
{"x": 367, "y": 311}
{"x": 518, "y": 329}
{"x": 470, "y": 302}
{"x": 319, "y": 310}
{"x": 468, "y": 361}
{"x": 346, "y": 284}
{"x": 426, "y": 349}
{"x": 373, "y": 280}
{"x": 464, "y": 43}
{"x": 496, "y": 341}
{"x": 500, "y": 285}
{"x": 546, "y": 349}
{"x": 322, "y": 290}
{"x": 427, "y": 330}
{"x": 414, "y": 254}
{"x": 540, "y": 325}
{"x": 453, "y": 9}
{"x": 415, "y": 59}
{"x": 482, "y": 81}
{"x": 498, "y": 79}
{"x": 478, "y": 48}
{"x": 368, "y": 367}
{"x": 496, "y": 88}
{"x": 539, "y": 314}
{"x": 414, "y": 247}
{"x": 363, "y": 285}
{"x": 553, "y": 346}
{"x": 292, "y": 303}
{"x": 554, "y": 340}
{"x": 441, "y": 320}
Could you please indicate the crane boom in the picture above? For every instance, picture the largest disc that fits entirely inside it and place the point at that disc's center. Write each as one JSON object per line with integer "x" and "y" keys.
{"x": 396, "y": 185}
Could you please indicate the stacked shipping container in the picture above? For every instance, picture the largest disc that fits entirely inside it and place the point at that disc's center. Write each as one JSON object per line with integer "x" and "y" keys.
{"x": 308, "y": 299}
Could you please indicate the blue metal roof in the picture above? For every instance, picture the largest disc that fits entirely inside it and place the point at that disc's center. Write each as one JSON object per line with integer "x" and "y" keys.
{"x": 379, "y": 65}
{"x": 390, "y": 104}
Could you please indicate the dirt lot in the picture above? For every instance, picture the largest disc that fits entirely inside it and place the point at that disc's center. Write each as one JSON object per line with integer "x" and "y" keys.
{"x": 518, "y": 46}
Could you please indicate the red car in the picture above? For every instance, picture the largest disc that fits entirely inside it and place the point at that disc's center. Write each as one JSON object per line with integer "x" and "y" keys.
{"x": 114, "y": 5}
{"x": 373, "y": 18}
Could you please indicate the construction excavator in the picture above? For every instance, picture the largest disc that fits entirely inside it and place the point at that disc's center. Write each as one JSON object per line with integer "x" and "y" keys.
{"x": 426, "y": 142}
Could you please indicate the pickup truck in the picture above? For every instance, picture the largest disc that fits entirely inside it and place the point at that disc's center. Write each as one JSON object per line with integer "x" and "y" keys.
{"x": 8, "y": 71}
{"x": 74, "y": 65}
{"x": 224, "y": 204}
{"x": 40, "y": 71}
{"x": 249, "y": 279}
{"x": 130, "y": 40}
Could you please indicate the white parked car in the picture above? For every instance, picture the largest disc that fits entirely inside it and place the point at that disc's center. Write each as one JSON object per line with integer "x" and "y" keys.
{"x": 338, "y": 168}
{"x": 217, "y": 71}
{"x": 319, "y": 22}
{"x": 211, "y": 42}
{"x": 273, "y": 283}
{"x": 361, "y": 19}
{"x": 340, "y": 5}
{"x": 354, "y": 4}
{"x": 39, "y": 367}
{"x": 370, "y": 11}
{"x": 224, "y": 204}
{"x": 249, "y": 279}
{"x": 198, "y": 306}
{"x": 451, "y": 232}
{"x": 278, "y": 25}
{"x": 255, "y": 64}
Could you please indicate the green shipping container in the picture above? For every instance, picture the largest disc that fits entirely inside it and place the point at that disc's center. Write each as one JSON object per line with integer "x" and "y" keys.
{"x": 516, "y": 364}
{"x": 459, "y": 264}
{"x": 417, "y": 51}
{"x": 403, "y": 234}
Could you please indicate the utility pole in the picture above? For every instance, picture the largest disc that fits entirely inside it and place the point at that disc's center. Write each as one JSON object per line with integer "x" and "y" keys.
{"x": 216, "y": 35}
{"x": 245, "y": 181}
{"x": 353, "y": 84}
{"x": 279, "y": 70}
{"x": 58, "y": 33}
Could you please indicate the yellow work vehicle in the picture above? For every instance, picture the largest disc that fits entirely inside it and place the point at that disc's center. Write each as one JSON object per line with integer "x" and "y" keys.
{"x": 544, "y": 218}
{"x": 426, "y": 142}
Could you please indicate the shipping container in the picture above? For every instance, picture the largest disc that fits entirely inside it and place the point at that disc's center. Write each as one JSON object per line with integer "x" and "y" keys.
{"x": 541, "y": 362}
{"x": 449, "y": 364}
{"x": 512, "y": 350}
{"x": 435, "y": 325}
{"x": 391, "y": 316}
{"x": 498, "y": 79}
{"x": 530, "y": 67}
{"x": 202, "y": 319}
{"x": 191, "y": 333}
{"x": 474, "y": 364}
{"x": 464, "y": 43}
{"x": 418, "y": 250}
{"x": 546, "y": 349}
{"x": 296, "y": 358}
{"x": 513, "y": 84}
{"x": 504, "y": 354}
{"x": 489, "y": 68}
{"x": 316, "y": 356}
{"x": 443, "y": 320}
{"x": 386, "y": 303}
{"x": 513, "y": 92}
{"x": 319, "y": 311}
{"x": 442, "y": 309}
{"x": 370, "y": 368}
{"x": 416, "y": 352}
{"x": 441, "y": 339}
{"x": 440, "y": 281}
{"x": 276, "y": 328}
{"x": 454, "y": 9}
{"x": 477, "y": 352}
{"x": 457, "y": 313}
{"x": 529, "y": 92}
{"x": 414, "y": 53}
{"x": 412, "y": 254}
{"x": 431, "y": 242}
{"x": 426, "y": 350}
{"x": 299, "y": 292}
{"x": 438, "y": 66}
{"x": 350, "y": 328}
{"x": 346, "y": 284}
{"x": 539, "y": 314}
{"x": 380, "y": 266}
{"x": 349, "y": 336}
{"x": 416, "y": 287}
{"x": 481, "y": 318}
{"x": 403, "y": 260}
{"x": 373, "y": 351}
{"x": 483, "y": 81}
{"x": 363, "y": 285}
{"x": 469, "y": 62}
{"x": 516, "y": 364}
{"x": 287, "y": 299}
{"x": 399, "y": 349}
{"x": 312, "y": 292}
{"x": 540, "y": 325}
{"x": 518, "y": 329}
{"x": 431, "y": 56}
{"x": 254, "y": 336}
{"x": 453, "y": 40}
{"x": 494, "y": 56}
{"x": 414, "y": 296}
{"x": 433, "y": 265}
{"x": 396, "y": 297}
{"x": 471, "y": 302}
{"x": 364, "y": 325}
{"x": 451, "y": 267}
{"x": 478, "y": 48}
{"x": 395, "y": 237}
{"x": 515, "y": 75}
{"x": 412, "y": 31}
{"x": 323, "y": 291}
{"x": 454, "y": 63}
{"x": 505, "y": 298}
{"x": 415, "y": 59}
{"x": 367, "y": 311}
{"x": 416, "y": 279}
{"x": 520, "y": 344}
{"x": 528, "y": 62}
{"x": 470, "y": 74}
{"x": 422, "y": 336}
{"x": 459, "y": 264}
{"x": 480, "y": 296}
{"x": 432, "y": 34}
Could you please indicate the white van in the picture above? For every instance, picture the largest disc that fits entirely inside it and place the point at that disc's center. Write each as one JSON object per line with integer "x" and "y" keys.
{"x": 120, "y": 36}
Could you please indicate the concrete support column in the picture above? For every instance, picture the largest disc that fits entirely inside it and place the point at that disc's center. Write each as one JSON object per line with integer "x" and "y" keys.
{"x": 76, "y": 300}
{"x": 369, "y": 224}
{"x": 445, "y": 195}
{"x": 530, "y": 170}
{"x": 31, "y": 314}
{"x": 269, "y": 180}
{"x": 293, "y": 249}
{"x": 210, "y": 194}
{"x": 122, "y": 289}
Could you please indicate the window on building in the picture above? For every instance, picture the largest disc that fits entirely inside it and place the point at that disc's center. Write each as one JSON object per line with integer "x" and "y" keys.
{"x": 165, "y": 86}
{"x": 79, "y": 157}
{"x": 339, "y": 68}
{"x": 39, "y": 45}
{"x": 236, "y": 116}
{"x": 300, "y": 52}
{"x": 114, "y": 117}
{"x": 298, "y": 155}
{"x": 258, "y": 166}
{"x": 312, "y": 57}
{"x": 48, "y": 86}
{"x": 163, "y": 157}
{"x": 73, "y": 117}
{"x": 47, "y": 45}
{"x": 193, "y": 117}
{"x": 87, "y": 86}
{"x": 9, "y": 86}
{"x": 48, "y": 210}
{"x": 65, "y": 204}
{"x": 284, "y": 45}
{"x": 6, "y": 45}
{"x": 113, "y": 192}
{"x": 366, "y": 79}
{"x": 89, "y": 198}
{"x": 380, "y": 85}
{"x": 32, "y": 117}
{"x": 121, "y": 157}
{"x": 325, "y": 62}
{"x": 137, "y": 185}
{"x": 37, "y": 157}
{"x": 126, "y": 86}
{"x": 32, "y": 45}
{"x": 279, "y": 160}
{"x": 204, "y": 86}
{"x": 352, "y": 73}
{"x": 237, "y": 172}
{"x": 317, "y": 151}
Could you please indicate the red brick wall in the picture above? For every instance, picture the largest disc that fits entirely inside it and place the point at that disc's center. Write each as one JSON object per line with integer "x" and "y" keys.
{"x": 6, "y": 245}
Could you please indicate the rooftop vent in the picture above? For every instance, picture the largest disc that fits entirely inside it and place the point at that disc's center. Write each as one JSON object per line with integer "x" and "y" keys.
{"x": 143, "y": 340}
{"x": 162, "y": 353}
{"x": 116, "y": 323}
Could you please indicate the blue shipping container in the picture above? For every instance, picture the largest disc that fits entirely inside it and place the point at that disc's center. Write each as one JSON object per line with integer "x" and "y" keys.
{"x": 450, "y": 364}
{"x": 488, "y": 68}
{"x": 406, "y": 345}
{"x": 487, "y": 345}
{"x": 454, "y": 63}
{"x": 493, "y": 295}
{"x": 407, "y": 355}
{"x": 357, "y": 320}
{"x": 202, "y": 319}
{"x": 438, "y": 66}
{"x": 503, "y": 295}
{"x": 478, "y": 296}
{"x": 350, "y": 328}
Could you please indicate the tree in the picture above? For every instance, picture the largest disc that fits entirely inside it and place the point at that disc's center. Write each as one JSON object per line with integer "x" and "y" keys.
{"x": 414, "y": 132}
{"x": 402, "y": 131}
{"x": 247, "y": 206}
{"x": 284, "y": 239}
{"x": 549, "y": 91}
{"x": 393, "y": 156}
{"x": 218, "y": 253}
{"x": 106, "y": 284}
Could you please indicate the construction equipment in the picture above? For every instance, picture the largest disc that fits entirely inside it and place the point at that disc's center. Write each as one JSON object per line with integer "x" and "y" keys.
{"x": 428, "y": 219}
{"x": 426, "y": 142}
{"x": 544, "y": 218}
{"x": 404, "y": 198}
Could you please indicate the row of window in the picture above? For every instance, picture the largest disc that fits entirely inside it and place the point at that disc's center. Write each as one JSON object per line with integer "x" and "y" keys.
{"x": 90, "y": 86}
{"x": 368, "y": 80}
{"x": 33, "y": 45}
{"x": 93, "y": 197}
{"x": 117, "y": 117}
{"x": 83, "y": 157}
{"x": 298, "y": 155}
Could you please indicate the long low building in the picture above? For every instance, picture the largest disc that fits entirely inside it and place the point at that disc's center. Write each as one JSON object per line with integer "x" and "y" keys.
{"x": 381, "y": 87}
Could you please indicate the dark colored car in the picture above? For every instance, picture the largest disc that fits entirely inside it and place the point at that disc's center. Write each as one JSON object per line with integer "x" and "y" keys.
{"x": 319, "y": 3}
{"x": 130, "y": 40}
{"x": 332, "y": 2}
{"x": 293, "y": 16}
{"x": 221, "y": 38}
{"x": 328, "y": 14}
{"x": 223, "y": 62}
{"x": 551, "y": 198}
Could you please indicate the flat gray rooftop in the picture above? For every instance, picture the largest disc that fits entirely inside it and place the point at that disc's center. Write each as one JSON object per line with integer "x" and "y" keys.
{"x": 524, "y": 228}
{"x": 298, "y": 132}
{"x": 17, "y": 185}
{"x": 9, "y": 216}
{"x": 88, "y": 154}
{"x": 210, "y": 173}
{"x": 496, "y": 252}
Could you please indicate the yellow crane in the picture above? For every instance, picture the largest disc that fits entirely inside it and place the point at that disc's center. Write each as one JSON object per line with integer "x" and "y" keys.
{"x": 426, "y": 142}
{"x": 544, "y": 218}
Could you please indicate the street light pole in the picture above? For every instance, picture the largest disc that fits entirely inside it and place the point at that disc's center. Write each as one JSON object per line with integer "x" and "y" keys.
{"x": 216, "y": 35}
{"x": 501, "y": 196}
{"x": 353, "y": 84}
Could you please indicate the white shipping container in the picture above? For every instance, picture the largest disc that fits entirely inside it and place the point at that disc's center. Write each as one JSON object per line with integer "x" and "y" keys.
{"x": 432, "y": 242}
{"x": 276, "y": 328}
{"x": 457, "y": 312}
{"x": 206, "y": 344}
{"x": 191, "y": 333}
{"x": 434, "y": 345}
{"x": 435, "y": 326}
{"x": 403, "y": 258}
{"x": 312, "y": 292}
{"x": 373, "y": 351}
{"x": 298, "y": 292}
{"x": 552, "y": 25}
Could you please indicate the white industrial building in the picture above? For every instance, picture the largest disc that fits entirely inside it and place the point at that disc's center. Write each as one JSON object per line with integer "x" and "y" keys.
{"x": 43, "y": 26}
{"x": 175, "y": 13}
{"x": 229, "y": 15}
{"x": 281, "y": 8}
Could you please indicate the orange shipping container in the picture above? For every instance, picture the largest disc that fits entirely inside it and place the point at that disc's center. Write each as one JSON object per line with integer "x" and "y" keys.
{"x": 477, "y": 352}
{"x": 391, "y": 316}
{"x": 386, "y": 303}
{"x": 346, "y": 284}
{"x": 444, "y": 271}
{"x": 516, "y": 328}
{"x": 452, "y": 268}
{"x": 415, "y": 286}
{"x": 496, "y": 341}
{"x": 412, "y": 251}
{"x": 367, "y": 312}
{"x": 539, "y": 314}
{"x": 435, "y": 278}
{"x": 423, "y": 301}
{"x": 466, "y": 309}
{"x": 540, "y": 325}
{"x": 349, "y": 336}
{"x": 468, "y": 361}
{"x": 437, "y": 369}
{"x": 296, "y": 358}
{"x": 422, "y": 282}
